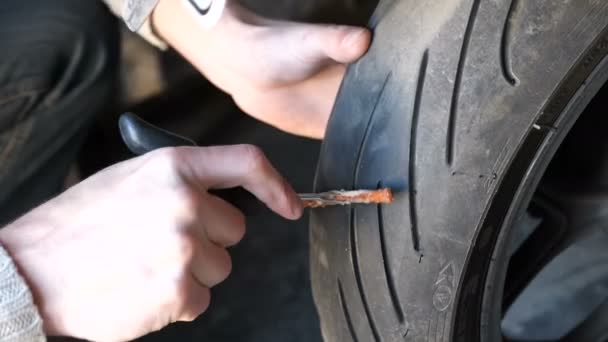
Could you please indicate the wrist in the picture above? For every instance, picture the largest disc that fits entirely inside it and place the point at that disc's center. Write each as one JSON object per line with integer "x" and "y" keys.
{"x": 153, "y": 26}
{"x": 204, "y": 13}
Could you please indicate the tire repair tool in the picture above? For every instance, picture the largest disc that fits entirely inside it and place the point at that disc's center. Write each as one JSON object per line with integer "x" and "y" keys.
{"x": 142, "y": 137}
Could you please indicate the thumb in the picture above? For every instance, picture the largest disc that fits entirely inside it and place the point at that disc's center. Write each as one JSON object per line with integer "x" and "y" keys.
{"x": 319, "y": 44}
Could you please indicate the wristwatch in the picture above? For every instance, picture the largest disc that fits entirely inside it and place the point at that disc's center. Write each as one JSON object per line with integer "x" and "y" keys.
{"x": 206, "y": 12}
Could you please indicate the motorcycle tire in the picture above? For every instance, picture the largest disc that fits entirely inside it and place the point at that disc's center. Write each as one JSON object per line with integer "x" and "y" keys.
{"x": 458, "y": 106}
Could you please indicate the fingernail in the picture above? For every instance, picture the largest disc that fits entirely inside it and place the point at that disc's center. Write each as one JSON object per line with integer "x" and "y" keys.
{"x": 353, "y": 38}
{"x": 292, "y": 205}
{"x": 297, "y": 209}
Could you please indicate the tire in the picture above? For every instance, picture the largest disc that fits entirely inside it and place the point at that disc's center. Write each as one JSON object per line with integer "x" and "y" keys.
{"x": 459, "y": 106}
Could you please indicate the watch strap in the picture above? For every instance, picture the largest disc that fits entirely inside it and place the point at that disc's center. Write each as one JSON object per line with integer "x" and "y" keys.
{"x": 136, "y": 12}
{"x": 207, "y": 12}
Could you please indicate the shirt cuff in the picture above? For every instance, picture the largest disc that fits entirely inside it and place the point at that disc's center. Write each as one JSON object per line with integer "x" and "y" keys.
{"x": 19, "y": 317}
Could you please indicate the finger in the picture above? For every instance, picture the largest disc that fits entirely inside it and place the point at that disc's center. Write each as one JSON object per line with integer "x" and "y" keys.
{"x": 195, "y": 300}
{"x": 315, "y": 42}
{"x": 241, "y": 165}
{"x": 320, "y": 43}
{"x": 211, "y": 264}
{"x": 224, "y": 224}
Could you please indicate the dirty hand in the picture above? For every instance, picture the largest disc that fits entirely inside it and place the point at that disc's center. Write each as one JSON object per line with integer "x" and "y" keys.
{"x": 138, "y": 245}
{"x": 285, "y": 74}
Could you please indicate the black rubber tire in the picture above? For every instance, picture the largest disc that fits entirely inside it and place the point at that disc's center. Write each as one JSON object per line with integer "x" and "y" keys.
{"x": 459, "y": 105}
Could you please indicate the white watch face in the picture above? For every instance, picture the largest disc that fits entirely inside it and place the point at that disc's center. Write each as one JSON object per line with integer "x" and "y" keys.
{"x": 207, "y": 12}
{"x": 203, "y": 6}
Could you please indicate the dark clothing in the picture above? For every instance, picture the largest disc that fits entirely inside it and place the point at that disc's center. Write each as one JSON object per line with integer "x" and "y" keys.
{"x": 58, "y": 70}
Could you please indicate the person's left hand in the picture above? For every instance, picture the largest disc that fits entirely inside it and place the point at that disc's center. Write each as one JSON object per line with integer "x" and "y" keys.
{"x": 285, "y": 74}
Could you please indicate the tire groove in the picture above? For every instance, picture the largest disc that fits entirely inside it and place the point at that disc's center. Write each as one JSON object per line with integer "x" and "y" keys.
{"x": 346, "y": 313}
{"x": 505, "y": 55}
{"x": 355, "y": 257}
{"x": 457, "y": 82}
{"x": 368, "y": 127}
{"x": 412, "y": 163}
{"x": 352, "y": 223}
{"x": 390, "y": 280}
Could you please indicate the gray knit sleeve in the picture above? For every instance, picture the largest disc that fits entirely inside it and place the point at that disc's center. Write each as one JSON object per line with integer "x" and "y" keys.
{"x": 146, "y": 31}
{"x": 19, "y": 318}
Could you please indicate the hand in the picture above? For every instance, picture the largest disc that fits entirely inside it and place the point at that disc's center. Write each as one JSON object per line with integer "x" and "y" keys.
{"x": 282, "y": 73}
{"x": 138, "y": 245}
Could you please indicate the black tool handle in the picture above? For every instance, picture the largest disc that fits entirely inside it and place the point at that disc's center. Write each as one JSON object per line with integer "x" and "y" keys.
{"x": 142, "y": 137}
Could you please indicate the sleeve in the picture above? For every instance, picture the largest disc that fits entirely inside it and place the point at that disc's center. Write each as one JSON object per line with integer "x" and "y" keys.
{"x": 146, "y": 31}
{"x": 19, "y": 318}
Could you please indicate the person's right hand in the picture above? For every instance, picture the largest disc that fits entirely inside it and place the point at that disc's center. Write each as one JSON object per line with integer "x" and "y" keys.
{"x": 138, "y": 245}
